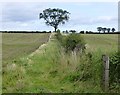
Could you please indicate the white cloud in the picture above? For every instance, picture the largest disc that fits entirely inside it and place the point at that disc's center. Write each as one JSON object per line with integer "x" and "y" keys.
{"x": 21, "y": 12}
{"x": 25, "y": 16}
{"x": 30, "y": 25}
{"x": 95, "y": 20}
{"x": 108, "y": 19}
{"x": 24, "y": 24}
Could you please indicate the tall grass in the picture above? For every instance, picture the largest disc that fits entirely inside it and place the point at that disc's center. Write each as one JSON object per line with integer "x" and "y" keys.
{"x": 51, "y": 70}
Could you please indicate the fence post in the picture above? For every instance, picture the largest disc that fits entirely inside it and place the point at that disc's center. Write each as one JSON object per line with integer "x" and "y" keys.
{"x": 105, "y": 72}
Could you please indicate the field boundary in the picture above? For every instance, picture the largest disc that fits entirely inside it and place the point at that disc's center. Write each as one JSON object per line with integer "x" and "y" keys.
{"x": 41, "y": 46}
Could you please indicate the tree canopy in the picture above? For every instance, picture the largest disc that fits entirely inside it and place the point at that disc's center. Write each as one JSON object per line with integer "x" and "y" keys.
{"x": 105, "y": 29}
{"x": 54, "y": 17}
{"x": 99, "y": 29}
{"x": 113, "y": 29}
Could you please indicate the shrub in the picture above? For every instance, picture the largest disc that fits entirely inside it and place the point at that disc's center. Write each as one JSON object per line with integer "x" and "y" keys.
{"x": 115, "y": 68}
{"x": 71, "y": 41}
{"x": 58, "y": 35}
{"x": 58, "y": 31}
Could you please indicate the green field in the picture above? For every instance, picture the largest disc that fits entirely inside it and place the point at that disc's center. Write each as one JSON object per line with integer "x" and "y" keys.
{"x": 106, "y": 43}
{"x": 15, "y": 45}
{"x": 51, "y": 70}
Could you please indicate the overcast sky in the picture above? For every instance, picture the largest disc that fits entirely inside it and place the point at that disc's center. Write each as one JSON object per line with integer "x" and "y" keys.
{"x": 84, "y": 15}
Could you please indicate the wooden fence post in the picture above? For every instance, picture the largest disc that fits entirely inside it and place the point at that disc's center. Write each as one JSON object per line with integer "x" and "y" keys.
{"x": 105, "y": 72}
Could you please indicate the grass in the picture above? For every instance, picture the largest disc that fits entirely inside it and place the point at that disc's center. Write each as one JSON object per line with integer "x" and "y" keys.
{"x": 0, "y": 63}
{"x": 15, "y": 46}
{"x": 47, "y": 73}
{"x": 106, "y": 43}
{"x": 19, "y": 44}
{"x": 53, "y": 71}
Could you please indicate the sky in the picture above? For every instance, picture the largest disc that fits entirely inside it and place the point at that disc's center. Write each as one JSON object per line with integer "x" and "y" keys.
{"x": 86, "y": 16}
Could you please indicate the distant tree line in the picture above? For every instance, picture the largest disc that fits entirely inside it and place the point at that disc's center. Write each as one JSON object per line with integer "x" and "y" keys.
{"x": 100, "y": 31}
{"x": 109, "y": 31}
{"x": 105, "y": 29}
{"x": 25, "y": 31}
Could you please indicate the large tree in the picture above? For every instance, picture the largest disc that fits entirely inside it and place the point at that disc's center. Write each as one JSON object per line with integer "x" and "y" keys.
{"x": 54, "y": 17}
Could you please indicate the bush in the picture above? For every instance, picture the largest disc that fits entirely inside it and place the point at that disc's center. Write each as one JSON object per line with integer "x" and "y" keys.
{"x": 115, "y": 68}
{"x": 58, "y": 31}
{"x": 58, "y": 35}
{"x": 71, "y": 41}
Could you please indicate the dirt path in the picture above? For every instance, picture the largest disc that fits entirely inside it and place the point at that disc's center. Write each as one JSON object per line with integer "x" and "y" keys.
{"x": 38, "y": 50}
{"x": 41, "y": 46}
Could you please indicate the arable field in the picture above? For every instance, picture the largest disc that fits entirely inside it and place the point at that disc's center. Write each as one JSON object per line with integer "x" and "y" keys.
{"x": 105, "y": 43}
{"x": 50, "y": 70}
{"x": 15, "y": 45}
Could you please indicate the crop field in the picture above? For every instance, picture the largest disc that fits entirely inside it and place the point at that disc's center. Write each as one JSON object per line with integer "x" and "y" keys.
{"x": 15, "y": 45}
{"x": 50, "y": 70}
{"x": 18, "y": 44}
{"x": 105, "y": 43}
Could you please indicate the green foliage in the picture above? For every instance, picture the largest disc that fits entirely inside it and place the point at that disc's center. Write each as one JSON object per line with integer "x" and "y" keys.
{"x": 105, "y": 29}
{"x": 99, "y": 29}
{"x": 58, "y": 35}
{"x": 72, "y": 40}
{"x": 51, "y": 70}
{"x": 53, "y": 73}
{"x": 54, "y": 17}
{"x": 115, "y": 69}
{"x": 113, "y": 29}
{"x": 72, "y": 31}
{"x": 58, "y": 31}
{"x": 72, "y": 77}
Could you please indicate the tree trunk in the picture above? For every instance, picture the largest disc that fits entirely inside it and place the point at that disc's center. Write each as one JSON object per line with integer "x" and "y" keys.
{"x": 55, "y": 29}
